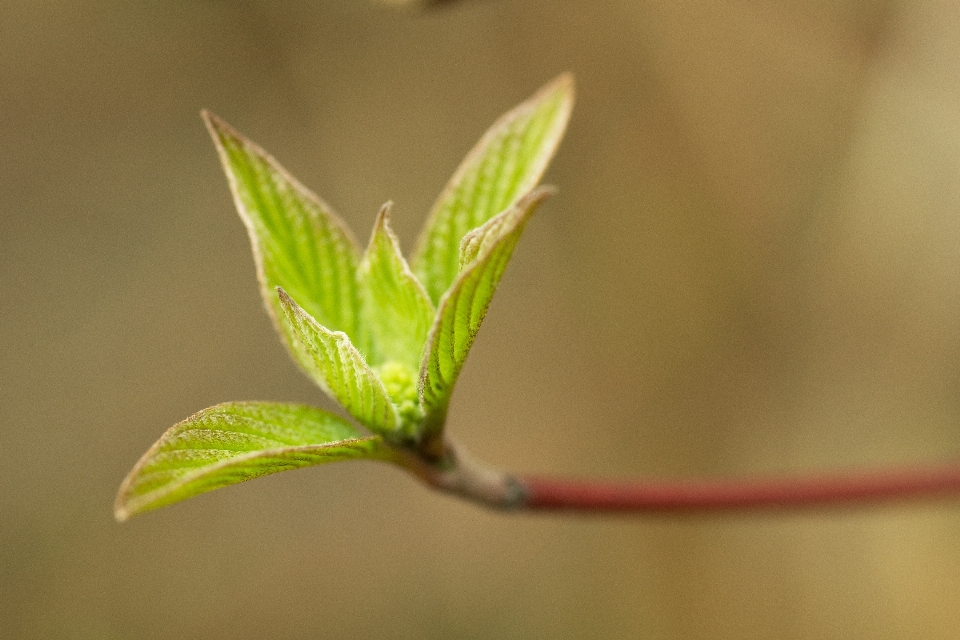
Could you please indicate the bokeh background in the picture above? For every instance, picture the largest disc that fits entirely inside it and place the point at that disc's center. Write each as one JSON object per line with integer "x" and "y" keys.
{"x": 752, "y": 267}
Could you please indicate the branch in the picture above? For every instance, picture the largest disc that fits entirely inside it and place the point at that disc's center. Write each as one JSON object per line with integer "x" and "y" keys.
{"x": 460, "y": 475}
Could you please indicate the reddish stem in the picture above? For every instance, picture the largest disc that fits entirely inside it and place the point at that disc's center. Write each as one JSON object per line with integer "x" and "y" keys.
{"x": 541, "y": 493}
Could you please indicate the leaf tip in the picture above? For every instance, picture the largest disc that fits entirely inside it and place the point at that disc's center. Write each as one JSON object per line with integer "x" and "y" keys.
{"x": 290, "y": 307}
{"x": 225, "y": 136}
{"x": 565, "y": 82}
{"x": 121, "y": 512}
{"x": 382, "y": 233}
{"x": 215, "y": 125}
{"x": 563, "y": 88}
{"x": 383, "y": 217}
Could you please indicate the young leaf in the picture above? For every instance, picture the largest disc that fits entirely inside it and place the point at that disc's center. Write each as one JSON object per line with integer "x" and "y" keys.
{"x": 485, "y": 252}
{"x": 506, "y": 163}
{"x": 238, "y": 441}
{"x": 336, "y": 365}
{"x": 299, "y": 243}
{"x": 398, "y": 311}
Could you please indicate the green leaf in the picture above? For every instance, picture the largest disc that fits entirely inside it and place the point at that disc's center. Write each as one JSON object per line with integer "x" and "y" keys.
{"x": 506, "y": 163}
{"x": 398, "y": 311}
{"x": 485, "y": 253}
{"x": 238, "y": 441}
{"x": 299, "y": 243}
{"x": 336, "y": 365}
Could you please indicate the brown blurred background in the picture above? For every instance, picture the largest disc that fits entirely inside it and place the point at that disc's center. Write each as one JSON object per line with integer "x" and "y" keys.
{"x": 753, "y": 267}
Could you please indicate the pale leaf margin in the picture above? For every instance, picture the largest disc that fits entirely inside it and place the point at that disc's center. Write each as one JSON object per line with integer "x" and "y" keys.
{"x": 491, "y": 178}
{"x": 340, "y": 370}
{"x": 298, "y": 241}
{"x": 486, "y": 250}
{"x": 238, "y": 441}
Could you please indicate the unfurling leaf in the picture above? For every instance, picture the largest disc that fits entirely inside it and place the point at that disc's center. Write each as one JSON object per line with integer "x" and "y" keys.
{"x": 398, "y": 313}
{"x": 299, "y": 243}
{"x": 238, "y": 441}
{"x": 506, "y": 163}
{"x": 397, "y": 310}
{"x": 485, "y": 252}
{"x": 339, "y": 369}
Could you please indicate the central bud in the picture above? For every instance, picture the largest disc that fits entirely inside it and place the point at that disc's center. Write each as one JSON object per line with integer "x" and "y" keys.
{"x": 401, "y": 385}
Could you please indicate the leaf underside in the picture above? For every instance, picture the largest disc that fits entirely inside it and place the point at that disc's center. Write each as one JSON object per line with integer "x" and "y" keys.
{"x": 506, "y": 163}
{"x": 486, "y": 252}
{"x": 234, "y": 442}
{"x": 339, "y": 369}
{"x": 298, "y": 242}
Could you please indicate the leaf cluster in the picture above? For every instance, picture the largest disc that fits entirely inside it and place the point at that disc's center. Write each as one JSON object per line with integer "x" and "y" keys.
{"x": 384, "y": 337}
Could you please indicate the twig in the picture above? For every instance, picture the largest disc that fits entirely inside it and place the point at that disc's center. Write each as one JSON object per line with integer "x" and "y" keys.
{"x": 460, "y": 475}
